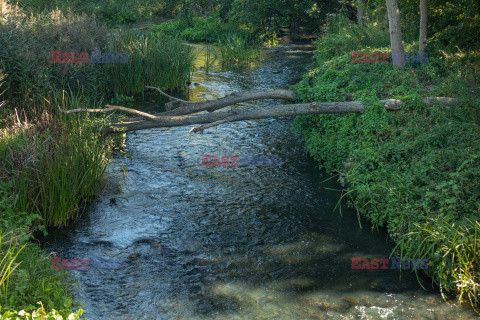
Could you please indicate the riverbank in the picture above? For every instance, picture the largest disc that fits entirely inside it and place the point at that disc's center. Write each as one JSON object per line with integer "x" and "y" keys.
{"x": 51, "y": 164}
{"x": 414, "y": 172}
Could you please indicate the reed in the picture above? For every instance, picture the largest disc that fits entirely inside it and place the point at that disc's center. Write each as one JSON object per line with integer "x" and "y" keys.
{"x": 236, "y": 49}
{"x": 452, "y": 251}
{"x": 56, "y": 168}
{"x": 210, "y": 57}
{"x": 153, "y": 60}
{"x": 8, "y": 256}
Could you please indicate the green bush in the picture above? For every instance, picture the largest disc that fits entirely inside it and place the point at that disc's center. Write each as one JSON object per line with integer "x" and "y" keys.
{"x": 235, "y": 45}
{"x": 209, "y": 30}
{"x": 343, "y": 36}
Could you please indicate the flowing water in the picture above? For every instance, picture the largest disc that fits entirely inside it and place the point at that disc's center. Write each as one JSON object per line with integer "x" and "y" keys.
{"x": 172, "y": 239}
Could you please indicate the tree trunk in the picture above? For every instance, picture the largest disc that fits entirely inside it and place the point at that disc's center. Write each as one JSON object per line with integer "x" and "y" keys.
{"x": 217, "y": 118}
{"x": 231, "y": 99}
{"x": 423, "y": 26}
{"x": 398, "y": 53}
{"x": 188, "y": 114}
{"x": 360, "y": 11}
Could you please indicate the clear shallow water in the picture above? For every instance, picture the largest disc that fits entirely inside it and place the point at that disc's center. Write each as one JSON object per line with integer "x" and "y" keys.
{"x": 176, "y": 240}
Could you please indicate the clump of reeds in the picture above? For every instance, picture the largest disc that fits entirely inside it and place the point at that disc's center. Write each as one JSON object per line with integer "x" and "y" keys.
{"x": 453, "y": 255}
{"x": 27, "y": 42}
{"x": 236, "y": 49}
{"x": 153, "y": 60}
{"x": 53, "y": 167}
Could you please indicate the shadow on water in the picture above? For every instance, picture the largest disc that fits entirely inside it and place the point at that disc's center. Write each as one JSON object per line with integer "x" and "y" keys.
{"x": 175, "y": 239}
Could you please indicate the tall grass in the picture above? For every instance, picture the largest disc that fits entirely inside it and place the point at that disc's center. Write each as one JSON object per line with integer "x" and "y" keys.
{"x": 54, "y": 169}
{"x": 153, "y": 60}
{"x": 236, "y": 49}
{"x": 7, "y": 266}
{"x": 26, "y": 43}
{"x": 453, "y": 250}
{"x": 210, "y": 57}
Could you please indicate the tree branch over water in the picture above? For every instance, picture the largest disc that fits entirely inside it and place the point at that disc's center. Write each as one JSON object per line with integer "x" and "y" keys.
{"x": 188, "y": 112}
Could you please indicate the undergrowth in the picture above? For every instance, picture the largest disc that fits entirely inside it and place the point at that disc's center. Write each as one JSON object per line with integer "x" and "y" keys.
{"x": 415, "y": 171}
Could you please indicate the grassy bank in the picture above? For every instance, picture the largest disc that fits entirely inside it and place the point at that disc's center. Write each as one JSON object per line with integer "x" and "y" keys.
{"x": 52, "y": 164}
{"x": 40, "y": 186}
{"x": 32, "y": 82}
{"x": 414, "y": 172}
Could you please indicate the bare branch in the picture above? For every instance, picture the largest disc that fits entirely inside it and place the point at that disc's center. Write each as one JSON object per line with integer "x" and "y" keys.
{"x": 110, "y": 108}
{"x": 231, "y": 99}
{"x": 213, "y": 124}
{"x": 169, "y": 96}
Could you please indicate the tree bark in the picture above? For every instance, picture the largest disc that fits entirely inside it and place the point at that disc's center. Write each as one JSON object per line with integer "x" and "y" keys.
{"x": 423, "y": 26}
{"x": 398, "y": 53}
{"x": 231, "y": 99}
{"x": 360, "y": 11}
{"x": 215, "y": 119}
{"x": 187, "y": 114}
{"x": 241, "y": 115}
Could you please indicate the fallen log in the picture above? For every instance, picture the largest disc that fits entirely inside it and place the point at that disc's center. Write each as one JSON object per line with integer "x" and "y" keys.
{"x": 187, "y": 107}
{"x": 187, "y": 112}
{"x": 217, "y": 118}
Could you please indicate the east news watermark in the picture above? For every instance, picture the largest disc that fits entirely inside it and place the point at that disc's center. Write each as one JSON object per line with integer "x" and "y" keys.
{"x": 84, "y": 264}
{"x": 393, "y": 263}
{"x": 84, "y": 57}
{"x": 381, "y": 57}
{"x": 209, "y": 160}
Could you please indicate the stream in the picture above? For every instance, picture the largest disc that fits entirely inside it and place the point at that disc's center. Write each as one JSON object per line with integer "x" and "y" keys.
{"x": 169, "y": 238}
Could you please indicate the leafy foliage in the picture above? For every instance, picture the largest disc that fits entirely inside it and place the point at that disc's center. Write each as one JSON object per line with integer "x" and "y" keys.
{"x": 40, "y": 314}
{"x": 26, "y": 275}
{"x": 415, "y": 171}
